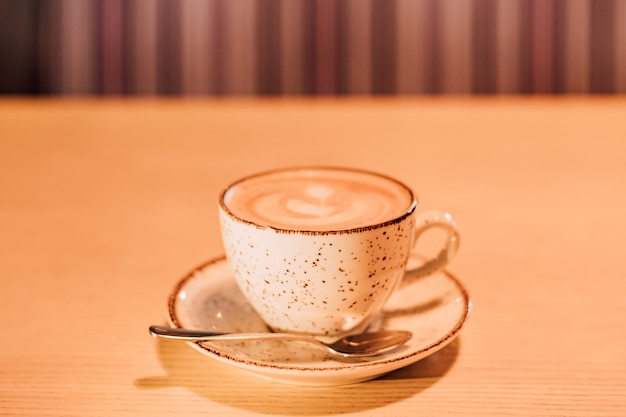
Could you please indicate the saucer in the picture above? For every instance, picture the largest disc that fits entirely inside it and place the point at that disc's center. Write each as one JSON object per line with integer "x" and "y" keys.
{"x": 434, "y": 308}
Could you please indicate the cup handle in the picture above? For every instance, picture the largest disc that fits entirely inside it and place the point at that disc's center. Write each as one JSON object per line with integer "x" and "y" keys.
{"x": 423, "y": 222}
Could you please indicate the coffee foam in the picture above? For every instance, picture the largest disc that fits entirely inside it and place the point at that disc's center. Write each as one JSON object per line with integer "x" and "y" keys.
{"x": 318, "y": 199}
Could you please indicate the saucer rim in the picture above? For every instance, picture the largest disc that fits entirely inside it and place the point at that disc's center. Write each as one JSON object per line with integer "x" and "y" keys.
{"x": 389, "y": 363}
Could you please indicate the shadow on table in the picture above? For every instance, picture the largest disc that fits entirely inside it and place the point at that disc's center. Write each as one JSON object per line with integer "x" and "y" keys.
{"x": 227, "y": 385}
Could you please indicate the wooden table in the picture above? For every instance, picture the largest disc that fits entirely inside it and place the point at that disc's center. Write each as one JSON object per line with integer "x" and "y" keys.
{"x": 106, "y": 204}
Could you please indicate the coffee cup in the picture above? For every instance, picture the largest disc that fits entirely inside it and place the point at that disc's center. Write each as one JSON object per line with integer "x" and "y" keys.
{"x": 319, "y": 250}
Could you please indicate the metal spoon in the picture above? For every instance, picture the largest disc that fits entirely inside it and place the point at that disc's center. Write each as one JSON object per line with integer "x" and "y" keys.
{"x": 358, "y": 345}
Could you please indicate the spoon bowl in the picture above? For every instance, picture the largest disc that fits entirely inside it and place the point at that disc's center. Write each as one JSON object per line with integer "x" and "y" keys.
{"x": 354, "y": 346}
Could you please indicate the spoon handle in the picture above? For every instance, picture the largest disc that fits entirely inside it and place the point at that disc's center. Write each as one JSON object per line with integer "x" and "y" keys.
{"x": 203, "y": 335}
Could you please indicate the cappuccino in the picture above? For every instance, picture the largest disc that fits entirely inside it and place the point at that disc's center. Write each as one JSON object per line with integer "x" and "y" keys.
{"x": 319, "y": 199}
{"x": 318, "y": 251}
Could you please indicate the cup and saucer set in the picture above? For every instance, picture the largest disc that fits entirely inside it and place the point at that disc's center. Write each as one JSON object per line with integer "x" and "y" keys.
{"x": 347, "y": 266}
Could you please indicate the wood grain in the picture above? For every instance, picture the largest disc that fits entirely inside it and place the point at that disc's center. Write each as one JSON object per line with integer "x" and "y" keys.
{"x": 106, "y": 204}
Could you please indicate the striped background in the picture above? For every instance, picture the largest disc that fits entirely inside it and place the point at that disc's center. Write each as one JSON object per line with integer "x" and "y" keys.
{"x": 270, "y": 47}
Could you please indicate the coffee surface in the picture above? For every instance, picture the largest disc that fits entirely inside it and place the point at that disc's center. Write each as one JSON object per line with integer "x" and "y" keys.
{"x": 318, "y": 199}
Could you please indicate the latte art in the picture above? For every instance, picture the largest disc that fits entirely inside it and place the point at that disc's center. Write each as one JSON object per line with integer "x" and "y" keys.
{"x": 318, "y": 199}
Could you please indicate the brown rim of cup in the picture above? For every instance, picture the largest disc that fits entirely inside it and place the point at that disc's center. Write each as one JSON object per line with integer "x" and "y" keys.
{"x": 396, "y": 220}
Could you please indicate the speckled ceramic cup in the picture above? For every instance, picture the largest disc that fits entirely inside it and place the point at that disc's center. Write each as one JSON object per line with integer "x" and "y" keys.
{"x": 319, "y": 250}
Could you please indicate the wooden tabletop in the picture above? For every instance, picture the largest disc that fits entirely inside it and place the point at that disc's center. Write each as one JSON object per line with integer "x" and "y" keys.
{"x": 105, "y": 205}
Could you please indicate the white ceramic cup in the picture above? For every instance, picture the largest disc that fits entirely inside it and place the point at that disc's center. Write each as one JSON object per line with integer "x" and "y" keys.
{"x": 312, "y": 274}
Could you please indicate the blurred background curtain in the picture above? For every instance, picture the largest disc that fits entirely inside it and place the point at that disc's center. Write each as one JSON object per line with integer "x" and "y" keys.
{"x": 312, "y": 47}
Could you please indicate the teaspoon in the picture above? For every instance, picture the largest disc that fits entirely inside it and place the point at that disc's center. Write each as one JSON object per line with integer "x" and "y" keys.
{"x": 358, "y": 345}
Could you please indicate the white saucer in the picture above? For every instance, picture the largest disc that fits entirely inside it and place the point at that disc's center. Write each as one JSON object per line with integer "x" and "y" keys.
{"x": 433, "y": 308}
